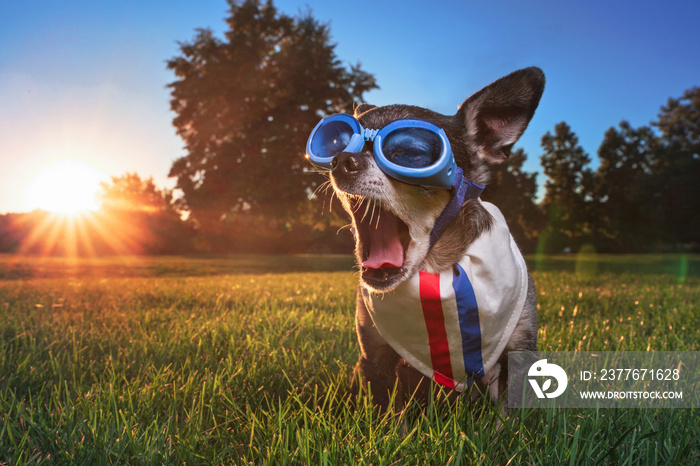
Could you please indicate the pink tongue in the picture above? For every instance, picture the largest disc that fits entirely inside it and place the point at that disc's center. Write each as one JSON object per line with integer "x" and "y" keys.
{"x": 385, "y": 249}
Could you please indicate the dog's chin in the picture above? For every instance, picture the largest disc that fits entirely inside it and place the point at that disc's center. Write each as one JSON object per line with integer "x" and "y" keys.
{"x": 385, "y": 279}
{"x": 383, "y": 244}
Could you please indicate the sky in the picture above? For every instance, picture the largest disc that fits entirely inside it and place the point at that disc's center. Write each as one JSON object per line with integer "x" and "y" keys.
{"x": 83, "y": 84}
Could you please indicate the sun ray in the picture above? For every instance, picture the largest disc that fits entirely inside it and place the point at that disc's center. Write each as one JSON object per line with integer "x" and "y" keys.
{"x": 83, "y": 235}
{"x": 42, "y": 237}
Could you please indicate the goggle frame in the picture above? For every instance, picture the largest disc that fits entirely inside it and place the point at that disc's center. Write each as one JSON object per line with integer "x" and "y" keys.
{"x": 439, "y": 174}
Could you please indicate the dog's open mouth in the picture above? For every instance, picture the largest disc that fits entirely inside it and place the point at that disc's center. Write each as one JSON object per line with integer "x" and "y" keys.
{"x": 383, "y": 238}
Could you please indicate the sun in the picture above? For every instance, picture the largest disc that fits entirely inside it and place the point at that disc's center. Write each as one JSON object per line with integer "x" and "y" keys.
{"x": 64, "y": 186}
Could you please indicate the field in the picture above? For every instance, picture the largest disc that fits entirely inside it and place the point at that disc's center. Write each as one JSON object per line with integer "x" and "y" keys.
{"x": 247, "y": 360}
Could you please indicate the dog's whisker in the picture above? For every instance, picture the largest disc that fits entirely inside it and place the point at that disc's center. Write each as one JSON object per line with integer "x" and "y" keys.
{"x": 330, "y": 203}
{"x": 379, "y": 214}
{"x": 344, "y": 227}
{"x": 374, "y": 208}
{"x": 321, "y": 186}
{"x": 358, "y": 206}
{"x": 368, "y": 203}
{"x": 330, "y": 200}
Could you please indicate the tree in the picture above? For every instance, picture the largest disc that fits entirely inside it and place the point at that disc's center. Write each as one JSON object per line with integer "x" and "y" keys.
{"x": 678, "y": 169}
{"x": 627, "y": 210}
{"x": 513, "y": 190}
{"x": 245, "y": 106}
{"x": 568, "y": 190}
{"x": 129, "y": 192}
{"x": 142, "y": 218}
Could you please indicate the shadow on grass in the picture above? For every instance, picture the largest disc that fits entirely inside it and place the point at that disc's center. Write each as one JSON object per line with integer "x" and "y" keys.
{"x": 16, "y": 267}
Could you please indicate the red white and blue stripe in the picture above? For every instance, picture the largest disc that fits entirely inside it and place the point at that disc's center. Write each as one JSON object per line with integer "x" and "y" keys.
{"x": 453, "y": 326}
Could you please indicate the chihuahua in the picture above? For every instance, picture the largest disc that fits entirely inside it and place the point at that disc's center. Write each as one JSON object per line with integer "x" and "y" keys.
{"x": 444, "y": 292}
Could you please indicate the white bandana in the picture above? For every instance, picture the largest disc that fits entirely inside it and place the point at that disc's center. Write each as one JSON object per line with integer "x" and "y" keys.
{"x": 453, "y": 326}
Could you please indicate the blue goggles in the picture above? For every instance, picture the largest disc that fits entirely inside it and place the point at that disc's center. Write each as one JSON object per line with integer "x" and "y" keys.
{"x": 413, "y": 151}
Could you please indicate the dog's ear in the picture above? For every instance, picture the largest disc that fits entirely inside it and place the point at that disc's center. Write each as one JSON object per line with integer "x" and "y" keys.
{"x": 496, "y": 116}
{"x": 362, "y": 108}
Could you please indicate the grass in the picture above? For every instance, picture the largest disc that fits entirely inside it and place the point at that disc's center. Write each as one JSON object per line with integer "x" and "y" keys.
{"x": 244, "y": 360}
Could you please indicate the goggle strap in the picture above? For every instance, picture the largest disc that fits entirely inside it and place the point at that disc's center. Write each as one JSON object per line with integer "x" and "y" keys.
{"x": 463, "y": 190}
{"x": 369, "y": 134}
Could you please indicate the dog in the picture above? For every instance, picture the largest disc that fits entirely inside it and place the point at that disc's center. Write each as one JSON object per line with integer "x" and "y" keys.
{"x": 444, "y": 294}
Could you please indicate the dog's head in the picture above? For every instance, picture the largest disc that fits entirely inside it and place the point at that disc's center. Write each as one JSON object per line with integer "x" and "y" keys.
{"x": 392, "y": 220}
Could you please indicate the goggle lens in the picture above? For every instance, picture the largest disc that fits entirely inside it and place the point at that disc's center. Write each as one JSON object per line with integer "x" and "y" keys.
{"x": 412, "y": 147}
{"x": 332, "y": 138}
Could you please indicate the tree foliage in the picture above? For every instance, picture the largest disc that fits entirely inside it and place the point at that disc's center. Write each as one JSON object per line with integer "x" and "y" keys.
{"x": 625, "y": 200}
{"x": 245, "y": 105}
{"x": 131, "y": 193}
{"x": 567, "y": 190}
{"x": 246, "y": 102}
{"x": 644, "y": 195}
{"x": 678, "y": 169}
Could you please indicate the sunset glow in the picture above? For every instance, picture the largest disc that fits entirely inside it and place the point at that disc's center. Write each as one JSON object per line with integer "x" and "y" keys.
{"x": 64, "y": 186}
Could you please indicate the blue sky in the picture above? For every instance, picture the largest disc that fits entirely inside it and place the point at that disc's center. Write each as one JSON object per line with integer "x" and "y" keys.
{"x": 85, "y": 80}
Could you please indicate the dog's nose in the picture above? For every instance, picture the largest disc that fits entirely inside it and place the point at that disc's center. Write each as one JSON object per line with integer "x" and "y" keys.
{"x": 347, "y": 163}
